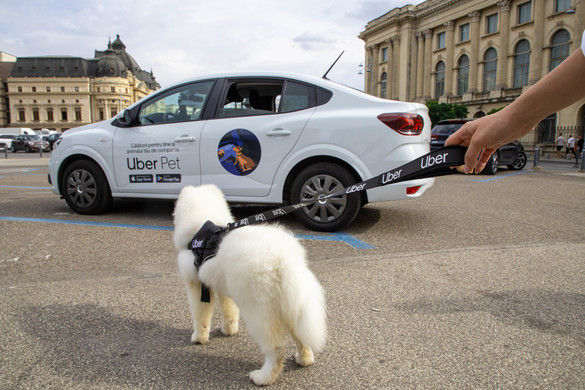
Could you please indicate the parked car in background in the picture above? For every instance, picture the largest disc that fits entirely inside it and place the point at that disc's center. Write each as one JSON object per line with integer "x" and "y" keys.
{"x": 29, "y": 143}
{"x": 6, "y": 140}
{"x": 51, "y": 139}
{"x": 511, "y": 155}
{"x": 263, "y": 138}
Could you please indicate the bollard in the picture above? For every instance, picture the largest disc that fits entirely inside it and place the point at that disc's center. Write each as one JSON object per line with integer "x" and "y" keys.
{"x": 41, "y": 152}
{"x": 536, "y": 156}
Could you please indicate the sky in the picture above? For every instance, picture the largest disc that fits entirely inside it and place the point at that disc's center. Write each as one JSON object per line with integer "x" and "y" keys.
{"x": 182, "y": 39}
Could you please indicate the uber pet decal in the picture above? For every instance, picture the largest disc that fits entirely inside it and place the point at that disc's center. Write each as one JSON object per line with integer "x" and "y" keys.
{"x": 239, "y": 152}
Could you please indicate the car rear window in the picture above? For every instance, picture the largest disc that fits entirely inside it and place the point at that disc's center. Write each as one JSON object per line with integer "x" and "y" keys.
{"x": 447, "y": 128}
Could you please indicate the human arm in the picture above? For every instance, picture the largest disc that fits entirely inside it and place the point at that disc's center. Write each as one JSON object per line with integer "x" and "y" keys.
{"x": 558, "y": 89}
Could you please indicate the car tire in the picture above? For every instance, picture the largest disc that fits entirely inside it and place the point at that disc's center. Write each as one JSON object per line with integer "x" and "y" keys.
{"x": 319, "y": 180}
{"x": 492, "y": 165}
{"x": 85, "y": 188}
{"x": 519, "y": 163}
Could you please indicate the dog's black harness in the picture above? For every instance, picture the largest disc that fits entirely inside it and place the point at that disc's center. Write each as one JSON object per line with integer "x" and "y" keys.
{"x": 204, "y": 246}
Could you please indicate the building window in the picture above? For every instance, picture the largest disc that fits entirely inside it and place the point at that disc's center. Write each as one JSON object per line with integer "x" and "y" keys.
{"x": 562, "y": 5}
{"x": 440, "y": 79}
{"x": 464, "y": 32}
{"x": 383, "y": 85}
{"x": 48, "y": 88}
{"x": 19, "y": 89}
{"x": 559, "y": 48}
{"x": 21, "y": 115}
{"x": 491, "y": 24}
{"x": 62, "y": 89}
{"x": 490, "y": 65}
{"x": 113, "y": 89}
{"x": 34, "y": 89}
{"x": 36, "y": 116}
{"x": 441, "y": 40}
{"x": 384, "y": 57}
{"x": 521, "y": 63}
{"x": 524, "y": 13}
{"x": 64, "y": 114}
{"x": 102, "y": 117}
{"x": 76, "y": 89}
{"x": 78, "y": 114}
{"x": 113, "y": 111}
{"x": 50, "y": 117}
{"x": 463, "y": 75}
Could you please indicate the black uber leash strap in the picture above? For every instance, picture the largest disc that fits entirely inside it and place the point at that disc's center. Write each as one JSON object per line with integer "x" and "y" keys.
{"x": 438, "y": 163}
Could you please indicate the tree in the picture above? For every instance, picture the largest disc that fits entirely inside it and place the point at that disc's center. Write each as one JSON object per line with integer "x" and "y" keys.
{"x": 439, "y": 111}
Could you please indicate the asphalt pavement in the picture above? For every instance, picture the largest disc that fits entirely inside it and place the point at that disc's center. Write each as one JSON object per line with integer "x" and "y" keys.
{"x": 478, "y": 284}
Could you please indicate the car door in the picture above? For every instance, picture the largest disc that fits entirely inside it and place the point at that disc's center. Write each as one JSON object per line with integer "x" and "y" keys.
{"x": 254, "y": 129}
{"x": 160, "y": 153}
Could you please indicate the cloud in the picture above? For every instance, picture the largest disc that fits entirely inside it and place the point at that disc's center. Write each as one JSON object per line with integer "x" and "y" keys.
{"x": 184, "y": 38}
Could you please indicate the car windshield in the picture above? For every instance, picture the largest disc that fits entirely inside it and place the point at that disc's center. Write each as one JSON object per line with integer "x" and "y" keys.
{"x": 33, "y": 137}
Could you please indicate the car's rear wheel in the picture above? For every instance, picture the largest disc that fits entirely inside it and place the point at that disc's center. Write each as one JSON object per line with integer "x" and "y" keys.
{"x": 492, "y": 165}
{"x": 317, "y": 181}
{"x": 85, "y": 188}
{"x": 520, "y": 162}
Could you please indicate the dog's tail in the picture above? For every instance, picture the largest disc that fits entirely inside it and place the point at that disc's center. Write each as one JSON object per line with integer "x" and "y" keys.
{"x": 306, "y": 310}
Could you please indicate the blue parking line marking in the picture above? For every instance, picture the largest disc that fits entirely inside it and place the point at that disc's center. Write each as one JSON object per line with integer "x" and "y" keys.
{"x": 500, "y": 177}
{"x": 342, "y": 237}
{"x": 86, "y": 223}
{"x": 339, "y": 237}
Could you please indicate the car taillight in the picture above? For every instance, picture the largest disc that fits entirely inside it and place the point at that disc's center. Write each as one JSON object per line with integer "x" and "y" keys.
{"x": 434, "y": 136}
{"x": 405, "y": 123}
{"x": 412, "y": 190}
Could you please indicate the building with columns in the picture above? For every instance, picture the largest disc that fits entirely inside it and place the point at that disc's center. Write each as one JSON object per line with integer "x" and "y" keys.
{"x": 478, "y": 53}
{"x": 61, "y": 92}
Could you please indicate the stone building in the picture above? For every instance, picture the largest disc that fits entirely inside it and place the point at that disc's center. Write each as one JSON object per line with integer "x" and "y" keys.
{"x": 61, "y": 92}
{"x": 6, "y": 64}
{"x": 478, "y": 53}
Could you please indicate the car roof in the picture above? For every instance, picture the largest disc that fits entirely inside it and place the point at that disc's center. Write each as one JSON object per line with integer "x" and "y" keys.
{"x": 454, "y": 121}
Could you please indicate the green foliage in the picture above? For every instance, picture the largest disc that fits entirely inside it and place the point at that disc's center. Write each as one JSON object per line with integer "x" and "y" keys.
{"x": 494, "y": 110}
{"x": 440, "y": 111}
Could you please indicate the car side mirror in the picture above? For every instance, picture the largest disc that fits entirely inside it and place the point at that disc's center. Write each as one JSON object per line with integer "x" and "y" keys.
{"x": 126, "y": 118}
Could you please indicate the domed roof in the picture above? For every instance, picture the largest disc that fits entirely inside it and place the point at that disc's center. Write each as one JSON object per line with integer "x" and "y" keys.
{"x": 110, "y": 65}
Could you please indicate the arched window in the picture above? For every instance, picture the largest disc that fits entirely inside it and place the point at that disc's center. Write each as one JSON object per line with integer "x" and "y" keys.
{"x": 490, "y": 66}
{"x": 521, "y": 63}
{"x": 462, "y": 75}
{"x": 383, "y": 85}
{"x": 559, "y": 48}
{"x": 439, "y": 79}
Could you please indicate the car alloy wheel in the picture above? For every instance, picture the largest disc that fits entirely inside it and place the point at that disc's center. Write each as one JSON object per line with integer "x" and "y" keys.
{"x": 85, "y": 188}
{"x": 520, "y": 162}
{"x": 314, "y": 183}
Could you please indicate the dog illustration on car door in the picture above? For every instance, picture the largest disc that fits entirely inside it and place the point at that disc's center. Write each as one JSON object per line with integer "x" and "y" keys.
{"x": 239, "y": 152}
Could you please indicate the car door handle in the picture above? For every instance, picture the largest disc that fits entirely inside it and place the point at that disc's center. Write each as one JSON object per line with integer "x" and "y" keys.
{"x": 278, "y": 132}
{"x": 185, "y": 138}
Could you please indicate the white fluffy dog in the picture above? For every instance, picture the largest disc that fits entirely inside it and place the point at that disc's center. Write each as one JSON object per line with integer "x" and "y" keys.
{"x": 259, "y": 269}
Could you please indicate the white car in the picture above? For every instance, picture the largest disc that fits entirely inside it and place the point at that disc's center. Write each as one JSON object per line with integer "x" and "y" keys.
{"x": 6, "y": 140}
{"x": 270, "y": 138}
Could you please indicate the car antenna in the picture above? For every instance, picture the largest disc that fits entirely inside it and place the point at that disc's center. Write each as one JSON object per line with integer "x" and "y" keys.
{"x": 332, "y": 65}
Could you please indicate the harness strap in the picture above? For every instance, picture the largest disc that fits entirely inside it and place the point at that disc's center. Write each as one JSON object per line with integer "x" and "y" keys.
{"x": 204, "y": 246}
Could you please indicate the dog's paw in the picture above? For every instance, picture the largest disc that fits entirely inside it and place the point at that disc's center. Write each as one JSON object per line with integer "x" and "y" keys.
{"x": 199, "y": 339}
{"x": 304, "y": 357}
{"x": 229, "y": 328}
{"x": 260, "y": 378}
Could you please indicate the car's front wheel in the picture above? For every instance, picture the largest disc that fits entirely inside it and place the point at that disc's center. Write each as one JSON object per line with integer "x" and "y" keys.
{"x": 85, "y": 188}
{"x": 520, "y": 162}
{"x": 317, "y": 181}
